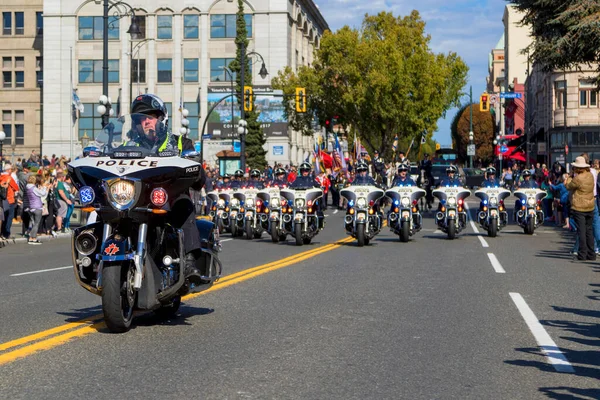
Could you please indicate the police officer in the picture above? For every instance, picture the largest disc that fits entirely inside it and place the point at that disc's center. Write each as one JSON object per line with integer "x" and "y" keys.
{"x": 150, "y": 130}
{"x": 402, "y": 179}
{"x": 378, "y": 164}
{"x": 305, "y": 180}
{"x": 280, "y": 180}
{"x": 362, "y": 175}
{"x": 226, "y": 184}
{"x": 451, "y": 179}
{"x": 254, "y": 182}
{"x": 237, "y": 181}
{"x": 426, "y": 174}
{"x": 491, "y": 181}
{"x": 527, "y": 182}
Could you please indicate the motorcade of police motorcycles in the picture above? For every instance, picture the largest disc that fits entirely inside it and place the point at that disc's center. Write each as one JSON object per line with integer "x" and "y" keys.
{"x": 220, "y": 211}
{"x": 304, "y": 222}
{"x": 451, "y": 217}
{"x": 404, "y": 218}
{"x": 270, "y": 214}
{"x": 530, "y": 215}
{"x": 363, "y": 220}
{"x": 132, "y": 257}
{"x": 492, "y": 216}
{"x": 248, "y": 220}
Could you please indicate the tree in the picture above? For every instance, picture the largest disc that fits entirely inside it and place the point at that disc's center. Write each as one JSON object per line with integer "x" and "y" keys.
{"x": 483, "y": 133}
{"x": 566, "y": 33}
{"x": 255, "y": 139}
{"x": 382, "y": 80}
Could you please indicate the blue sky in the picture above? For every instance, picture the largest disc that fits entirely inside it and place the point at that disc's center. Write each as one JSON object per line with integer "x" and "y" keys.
{"x": 469, "y": 28}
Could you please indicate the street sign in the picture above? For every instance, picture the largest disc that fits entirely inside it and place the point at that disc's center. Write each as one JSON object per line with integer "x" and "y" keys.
{"x": 510, "y": 95}
{"x": 237, "y": 146}
{"x": 503, "y": 149}
{"x": 277, "y": 150}
{"x": 206, "y": 137}
{"x": 471, "y": 150}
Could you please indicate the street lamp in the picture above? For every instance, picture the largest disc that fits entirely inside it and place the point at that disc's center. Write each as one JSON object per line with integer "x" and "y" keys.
{"x": 2, "y": 137}
{"x": 242, "y": 130}
{"x": 134, "y": 31}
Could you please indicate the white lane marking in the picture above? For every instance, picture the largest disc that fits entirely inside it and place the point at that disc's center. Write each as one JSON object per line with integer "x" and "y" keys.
{"x": 327, "y": 215}
{"x": 336, "y": 211}
{"x": 543, "y": 339}
{"x": 483, "y": 242}
{"x": 437, "y": 232}
{"x": 496, "y": 264}
{"x": 41, "y": 270}
{"x": 226, "y": 240}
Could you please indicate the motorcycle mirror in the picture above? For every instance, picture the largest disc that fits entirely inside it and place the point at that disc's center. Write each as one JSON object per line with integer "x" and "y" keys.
{"x": 190, "y": 154}
{"x": 92, "y": 151}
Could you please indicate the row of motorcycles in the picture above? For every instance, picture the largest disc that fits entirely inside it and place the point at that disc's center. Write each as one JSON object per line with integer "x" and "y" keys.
{"x": 281, "y": 212}
{"x": 364, "y": 219}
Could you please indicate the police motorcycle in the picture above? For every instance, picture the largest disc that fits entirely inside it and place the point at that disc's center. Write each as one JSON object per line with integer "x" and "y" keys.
{"x": 530, "y": 215}
{"x": 362, "y": 221}
{"x": 132, "y": 256}
{"x": 404, "y": 218}
{"x": 247, "y": 220}
{"x": 220, "y": 210}
{"x": 302, "y": 221}
{"x": 492, "y": 216}
{"x": 271, "y": 215}
{"x": 451, "y": 217}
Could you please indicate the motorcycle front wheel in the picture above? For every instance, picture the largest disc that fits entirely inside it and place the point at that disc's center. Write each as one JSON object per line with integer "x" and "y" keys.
{"x": 493, "y": 228}
{"x": 404, "y": 231}
{"x": 360, "y": 234}
{"x": 234, "y": 229}
{"x": 451, "y": 229}
{"x": 249, "y": 231}
{"x": 274, "y": 232}
{"x": 298, "y": 234}
{"x": 118, "y": 296}
{"x": 530, "y": 227}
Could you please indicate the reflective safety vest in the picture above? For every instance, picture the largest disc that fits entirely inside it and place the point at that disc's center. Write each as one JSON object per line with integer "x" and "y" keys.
{"x": 163, "y": 146}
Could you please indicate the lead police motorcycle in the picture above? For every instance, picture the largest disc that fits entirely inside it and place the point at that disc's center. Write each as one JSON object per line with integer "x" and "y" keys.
{"x": 247, "y": 220}
{"x": 362, "y": 220}
{"x": 530, "y": 215}
{"x": 451, "y": 217}
{"x": 404, "y": 218}
{"x": 132, "y": 256}
{"x": 492, "y": 216}
{"x": 271, "y": 215}
{"x": 303, "y": 223}
{"x": 219, "y": 212}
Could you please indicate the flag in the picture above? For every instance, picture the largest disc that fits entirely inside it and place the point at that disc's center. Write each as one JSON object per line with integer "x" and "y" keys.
{"x": 339, "y": 155}
{"x": 316, "y": 158}
{"x": 326, "y": 160}
{"x": 395, "y": 144}
{"x": 76, "y": 105}
{"x": 423, "y": 139}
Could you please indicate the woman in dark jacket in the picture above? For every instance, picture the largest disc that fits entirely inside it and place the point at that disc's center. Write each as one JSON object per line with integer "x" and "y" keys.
{"x": 581, "y": 185}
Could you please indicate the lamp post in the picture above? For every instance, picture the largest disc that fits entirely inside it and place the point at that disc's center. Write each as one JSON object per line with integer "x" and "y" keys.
{"x": 242, "y": 130}
{"x": 133, "y": 30}
{"x": 2, "y": 137}
{"x": 263, "y": 74}
{"x": 132, "y": 52}
{"x": 471, "y": 124}
{"x": 232, "y": 106}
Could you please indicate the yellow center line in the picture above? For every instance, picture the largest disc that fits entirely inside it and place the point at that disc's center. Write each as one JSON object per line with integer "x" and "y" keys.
{"x": 92, "y": 324}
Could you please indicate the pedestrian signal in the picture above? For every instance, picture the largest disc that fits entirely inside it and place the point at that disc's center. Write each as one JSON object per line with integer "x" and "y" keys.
{"x": 484, "y": 102}
{"x": 300, "y": 100}
{"x": 248, "y": 98}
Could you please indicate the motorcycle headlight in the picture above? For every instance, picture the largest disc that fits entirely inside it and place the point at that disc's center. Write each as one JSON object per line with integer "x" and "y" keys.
{"x": 405, "y": 202}
{"x": 451, "y": 201}
{"x": 531, "y": 201}
{"x": 274, "y": 202}
{"x": 299, "y": 203}
{"x": 493, "y": 201}
{"x": 235, "y": 203}
{"x": 249, "y": 202}
{"x": 361, "y": 202}
{"x": 122, "y": 193}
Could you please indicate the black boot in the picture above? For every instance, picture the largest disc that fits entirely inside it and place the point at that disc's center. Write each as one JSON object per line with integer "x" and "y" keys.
{"x": 192, "y": 274}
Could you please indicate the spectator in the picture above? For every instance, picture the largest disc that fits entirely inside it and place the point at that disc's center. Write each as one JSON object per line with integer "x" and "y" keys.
{"x": 70, "y": 191}
{"x": 561, "y": 200}
{"x": 36, "y": 192}
{"x": 23, "y": 201}
{"x": 45, "y": 162}
{"x": 63, "y": 201}
{"x": 548, "y": 200}
{"x": 582, "y": 208}
{"x": 10, "y": 204}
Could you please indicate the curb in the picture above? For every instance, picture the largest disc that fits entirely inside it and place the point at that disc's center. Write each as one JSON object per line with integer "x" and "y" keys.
{"x": 42, "y": 239}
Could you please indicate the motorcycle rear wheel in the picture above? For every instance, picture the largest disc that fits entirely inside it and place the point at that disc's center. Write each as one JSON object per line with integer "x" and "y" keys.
{"x": 404, "y": 232}
{"x": 493, "y": 228}
{"x": 274, "y": 232}
{"x": 451, "y": 229}
{"x": 118, "y": 296}
{"x": 298, "y": 234}
{"x": 360, "y": 235}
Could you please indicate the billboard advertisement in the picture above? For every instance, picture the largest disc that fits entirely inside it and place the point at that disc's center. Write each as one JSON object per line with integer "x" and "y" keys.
{"x": 270, "y": 107}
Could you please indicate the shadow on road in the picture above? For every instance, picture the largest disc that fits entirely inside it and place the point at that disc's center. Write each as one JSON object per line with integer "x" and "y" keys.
{"x": 83, "y": 314}
{"x": 569, "y": 393}
{"x": 184, "y": 313}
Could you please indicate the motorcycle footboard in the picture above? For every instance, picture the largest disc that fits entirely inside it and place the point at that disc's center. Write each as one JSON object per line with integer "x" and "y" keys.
{"x": 147, "y": 295}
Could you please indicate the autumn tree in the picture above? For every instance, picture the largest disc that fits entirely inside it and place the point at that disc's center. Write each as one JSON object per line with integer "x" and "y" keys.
{"x": 382, "y": 79}
{"x": 483, "y": 133}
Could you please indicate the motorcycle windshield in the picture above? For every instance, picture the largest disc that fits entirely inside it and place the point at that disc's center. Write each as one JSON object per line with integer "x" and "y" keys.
{"x": 445, "y": 192}
{"x": 523, "y": 194}
{"x": 498, "y": 193}
{"x": 368, "y": 192}
{"x": 396, "y": 193}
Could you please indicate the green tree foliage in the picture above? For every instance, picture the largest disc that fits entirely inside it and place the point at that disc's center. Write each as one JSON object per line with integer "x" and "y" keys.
{"x": 566, "y": 32}
{"x": 382, "y": 80}
{"x": 255, "y": 139}
{"x": 483, "y": 133}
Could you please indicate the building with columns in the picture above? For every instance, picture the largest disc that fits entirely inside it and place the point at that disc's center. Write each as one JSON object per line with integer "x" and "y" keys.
{"x": 179, "y": 56}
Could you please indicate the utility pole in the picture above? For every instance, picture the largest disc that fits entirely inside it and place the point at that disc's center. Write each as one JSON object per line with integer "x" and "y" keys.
{"x": 242, "y": 113}
{"x": 471, "y": 123}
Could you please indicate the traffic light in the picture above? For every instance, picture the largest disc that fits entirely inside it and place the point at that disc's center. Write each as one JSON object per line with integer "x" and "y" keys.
{"x": 248, "y": 98}
{"x": 328, "y": 126}
{"x": 300, "y": 100}
{"x": 484, "y": 104}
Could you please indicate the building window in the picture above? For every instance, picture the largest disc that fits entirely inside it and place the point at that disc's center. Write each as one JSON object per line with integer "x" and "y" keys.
{"x": 190, "y": 70}
{"x": 6, "y": 23}
{"x": 7, "y": 128}
{"x": 193, "y": 117}
{"x": 217, "y": 73}
{"x": 6, "y": 79}
{"x": 165, "y": 26}
{"x": 169, "y": 107}
{"x": 90, "y": 71}
{"x": 19, "y": 23}
{"x": 19, "y": 79}
{"x": 141, "y": 23}
{"x": 6, "y": 115}
{"x": 38, "y": 62}
{"x": 190, "y": 27}
{"x": 165, "y": 70}
{"x": 90, "y": 122}
{"x": 92, "y": 28}
{"x": 588, "y": 94}
{"x": 224, "y": 25}
{"x": 19, "y": 134}
{"x": 39, "y": 78}
{"x": 6, "y": 62}
{"x": 19, "y": 115}
{"x": 141, "y": 76}
{"x": 39, "y": 23}
{"x": 19, "y": 62}
{"x": 561, "y": 94}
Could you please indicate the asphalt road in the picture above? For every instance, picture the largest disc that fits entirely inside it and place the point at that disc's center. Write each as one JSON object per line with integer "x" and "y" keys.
{"x": 510, "y": 317}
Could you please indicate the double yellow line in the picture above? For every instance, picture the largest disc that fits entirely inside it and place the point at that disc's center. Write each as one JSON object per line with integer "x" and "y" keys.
{"x": 51, "y": 338}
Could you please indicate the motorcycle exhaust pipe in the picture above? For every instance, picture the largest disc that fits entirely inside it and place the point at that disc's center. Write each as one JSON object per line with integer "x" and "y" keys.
{"x": 287, "y": 218}
{"x": 349, "y": 219}
{"x": 440, "y": 215}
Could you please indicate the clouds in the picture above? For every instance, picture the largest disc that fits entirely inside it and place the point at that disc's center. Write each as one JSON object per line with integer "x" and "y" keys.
{"x": 469, "y": 28}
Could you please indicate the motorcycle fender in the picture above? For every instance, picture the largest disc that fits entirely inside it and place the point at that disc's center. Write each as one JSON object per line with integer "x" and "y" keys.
{"x": 299, "y": 217}
{"x": 274, "y": 216}
{"x": 494, "y": 213}
{"x": 451, "y": 214}
{"x": 115, "y": 250}
{"x": 406, "y": 215}
{"x": 219, "y": 212}
{"x": 233, "y": 214}
{"x": 361, "y": 218}
{"x": 249, "y": 214}
{"x": 531, "y": 211}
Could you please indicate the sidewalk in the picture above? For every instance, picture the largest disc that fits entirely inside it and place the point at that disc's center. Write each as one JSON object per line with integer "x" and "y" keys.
{"x": 16, "y": 236}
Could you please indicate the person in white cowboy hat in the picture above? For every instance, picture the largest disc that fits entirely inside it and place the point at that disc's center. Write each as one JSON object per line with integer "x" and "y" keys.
{"x": 581, "y": 184}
